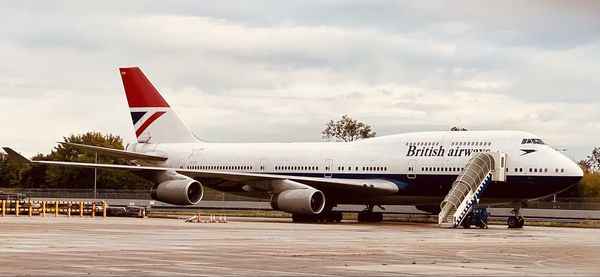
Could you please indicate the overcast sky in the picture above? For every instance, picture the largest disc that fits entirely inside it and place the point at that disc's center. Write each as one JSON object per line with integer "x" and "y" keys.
{"x": 250, "y": 71}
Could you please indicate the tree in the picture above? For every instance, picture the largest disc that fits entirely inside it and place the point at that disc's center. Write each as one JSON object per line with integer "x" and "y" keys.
{"x": 35, "y": 176}
{"x": 455, "y": 128}
{"x": 589, "y": 185}
{"x": 11, "y": 172}
{"x": 347, "y": 129}
{"x": 74, "y": 177}
{"x": 592, "y": 162}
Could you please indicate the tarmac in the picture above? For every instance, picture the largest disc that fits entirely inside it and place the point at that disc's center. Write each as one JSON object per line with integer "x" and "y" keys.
{"x": 560, "y": 215}
{"x": 276, "y": 247}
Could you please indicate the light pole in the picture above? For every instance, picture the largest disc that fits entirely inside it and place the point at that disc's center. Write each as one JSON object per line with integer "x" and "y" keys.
{"x": 95, "y": 174}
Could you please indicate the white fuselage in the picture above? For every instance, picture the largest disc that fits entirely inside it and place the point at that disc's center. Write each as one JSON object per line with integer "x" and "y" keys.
{"x": 424, "y": 163}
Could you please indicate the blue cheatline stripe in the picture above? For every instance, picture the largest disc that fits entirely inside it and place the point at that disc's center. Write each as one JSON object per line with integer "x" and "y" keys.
{"x": 136, "y": 116}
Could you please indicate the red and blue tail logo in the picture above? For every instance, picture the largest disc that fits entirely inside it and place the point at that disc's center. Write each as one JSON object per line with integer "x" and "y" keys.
{"x": 137, "y": 116}
{"x": 153, "y": 119}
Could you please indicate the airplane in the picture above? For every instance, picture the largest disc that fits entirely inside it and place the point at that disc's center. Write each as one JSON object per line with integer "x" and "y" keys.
{"x": 310, "y": 179}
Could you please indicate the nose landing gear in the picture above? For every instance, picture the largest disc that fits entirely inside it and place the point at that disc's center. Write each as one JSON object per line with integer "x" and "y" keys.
{"x": 517, "y": 220}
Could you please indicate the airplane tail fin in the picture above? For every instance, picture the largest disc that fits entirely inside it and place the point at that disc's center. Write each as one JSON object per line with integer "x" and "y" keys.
{"x": 153, "y": 119}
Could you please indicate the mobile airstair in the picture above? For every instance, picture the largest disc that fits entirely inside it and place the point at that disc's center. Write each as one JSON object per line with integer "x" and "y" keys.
{"x": 469, "y": 186}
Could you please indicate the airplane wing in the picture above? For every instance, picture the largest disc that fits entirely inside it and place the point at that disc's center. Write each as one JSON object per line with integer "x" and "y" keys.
{"x": 116, "y": 152}
{"x": 257, "y": 180}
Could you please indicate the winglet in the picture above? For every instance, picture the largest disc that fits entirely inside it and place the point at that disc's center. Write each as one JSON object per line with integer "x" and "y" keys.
{"x": 16, "y": 156}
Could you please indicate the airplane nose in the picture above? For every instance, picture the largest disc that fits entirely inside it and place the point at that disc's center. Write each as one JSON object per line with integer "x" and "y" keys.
{"x": 575, "y": 170}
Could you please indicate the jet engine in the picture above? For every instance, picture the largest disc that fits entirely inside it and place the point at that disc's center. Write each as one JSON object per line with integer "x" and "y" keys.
{"x": 299, "y": 201}
{"x": 178, "y": 192}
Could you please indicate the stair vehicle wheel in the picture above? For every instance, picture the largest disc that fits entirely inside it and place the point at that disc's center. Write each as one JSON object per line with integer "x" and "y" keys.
{"x": 520, "y": 222}
{"x": 482, "y": 225}
{"x": 466, "y": 223}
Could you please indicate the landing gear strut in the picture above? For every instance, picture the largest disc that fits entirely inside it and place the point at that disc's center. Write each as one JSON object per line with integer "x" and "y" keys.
{"x": 517, "y": 221}
{"x": 367, "y": 215}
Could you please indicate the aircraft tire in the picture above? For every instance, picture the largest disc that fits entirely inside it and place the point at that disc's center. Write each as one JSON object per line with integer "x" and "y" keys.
{"x": 515, "y": 222}
{"x": 364, "y": 216}
{"x": 377, "y": 217}
{"x": 301, "y": 218}
{"x": 338, "y": 216}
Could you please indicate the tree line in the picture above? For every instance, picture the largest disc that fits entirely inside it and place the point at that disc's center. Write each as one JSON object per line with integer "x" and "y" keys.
{"x": 16, "y": 175}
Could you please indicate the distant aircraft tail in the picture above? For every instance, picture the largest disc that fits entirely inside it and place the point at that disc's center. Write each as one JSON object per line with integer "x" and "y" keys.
{"x": 153, "y": 119}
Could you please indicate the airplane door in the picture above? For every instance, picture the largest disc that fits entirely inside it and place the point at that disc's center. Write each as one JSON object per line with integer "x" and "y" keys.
{"x": 328, "y": 164}
{"x": 412, "y": 170}
{"x": 181, "y": 163}
{"x": 263, "y": 165}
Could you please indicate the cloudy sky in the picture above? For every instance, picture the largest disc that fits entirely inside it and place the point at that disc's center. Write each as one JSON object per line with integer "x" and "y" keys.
{"x": 249, "y": 71}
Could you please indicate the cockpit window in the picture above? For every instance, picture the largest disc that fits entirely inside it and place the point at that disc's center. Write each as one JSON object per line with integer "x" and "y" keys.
{"x": 532, "y": 141}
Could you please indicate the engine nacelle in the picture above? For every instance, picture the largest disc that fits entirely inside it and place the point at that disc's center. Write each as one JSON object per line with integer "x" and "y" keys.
{"x": 178, "y": 192}
{"x": 299, "y": 201}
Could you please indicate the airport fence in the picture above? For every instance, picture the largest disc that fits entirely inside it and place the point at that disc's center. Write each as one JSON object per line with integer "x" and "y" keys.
{"x": 23, "y": 193}
{"x": 568, "y": 203}
{"x": 564, "y": 203}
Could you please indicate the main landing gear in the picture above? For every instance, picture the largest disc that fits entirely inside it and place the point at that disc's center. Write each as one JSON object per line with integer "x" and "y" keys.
{"x": 517, "y": 221}
{"x": 327, "y": 215}
{"x": 367, "y": 215}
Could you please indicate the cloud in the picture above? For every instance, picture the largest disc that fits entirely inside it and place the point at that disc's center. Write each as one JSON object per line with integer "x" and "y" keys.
{"x": 286, "y": 68}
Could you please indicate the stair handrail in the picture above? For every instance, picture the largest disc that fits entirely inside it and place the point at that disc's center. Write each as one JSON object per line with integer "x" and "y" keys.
{"x": 475, "y": 171}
